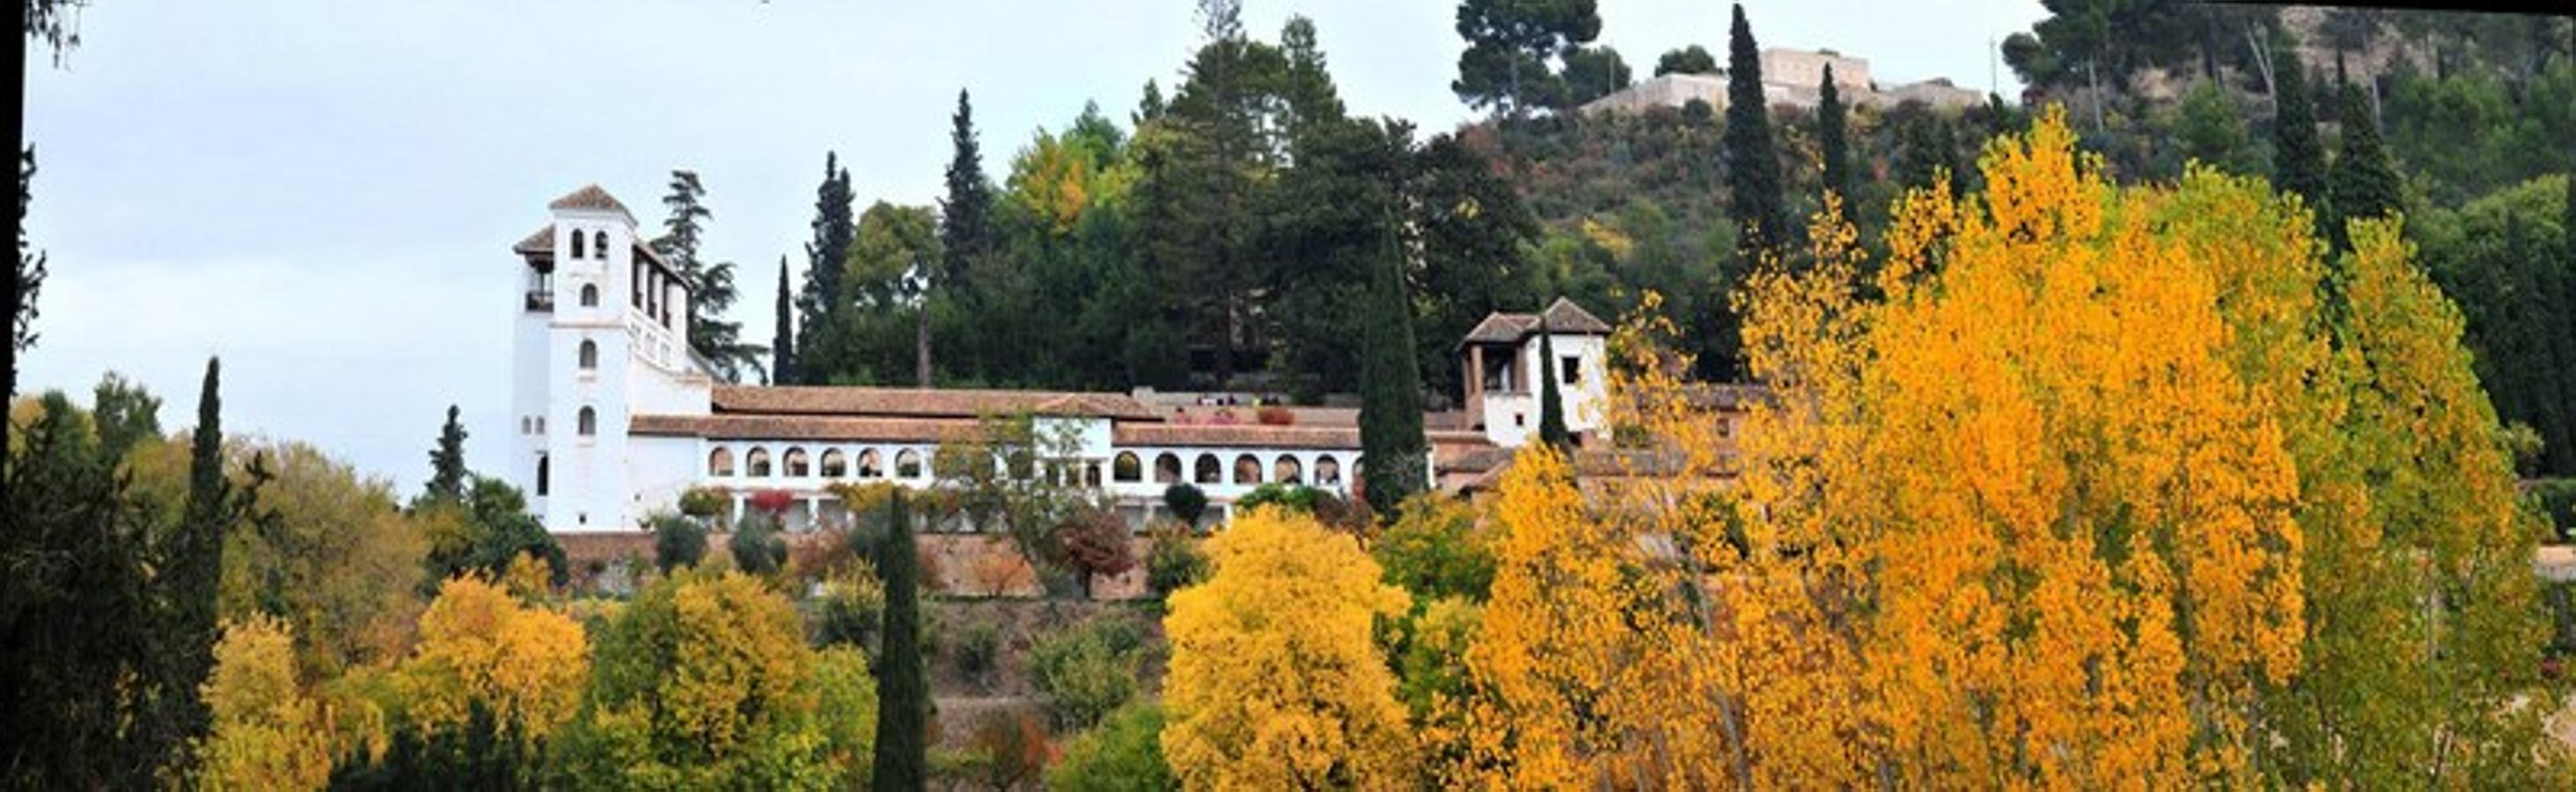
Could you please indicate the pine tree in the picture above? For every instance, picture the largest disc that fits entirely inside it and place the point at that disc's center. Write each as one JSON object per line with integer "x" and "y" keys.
{"x": 782, "y": 344}
{"x": 1392, "y": 446}
{"x": 819, "y": 304}
{"x": 192, "y": 563}
{"x": 2364, "y": 181}
{"x": 1831, "y": 136}
{"x": 965, "y": 224}
{"x": 711, "y": 290}
{"x": 1551, "y": 405}
{"x": 1752, "y": 160}
{"x": 447, "y": 463}
{"x": 2298, "y": 159}
{"x": 903, "y": 692}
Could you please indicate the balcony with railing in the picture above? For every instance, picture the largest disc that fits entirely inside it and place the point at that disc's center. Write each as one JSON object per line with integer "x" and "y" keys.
{"x": 541, "y": 300}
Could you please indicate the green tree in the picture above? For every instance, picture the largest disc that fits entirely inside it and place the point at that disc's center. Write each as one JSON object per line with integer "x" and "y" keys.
{"x": 2298, "y": 158}
{"x": 2211, "y": 130}
{"x": 1306, "y": 84}
{"x": 711, "y": 289}
{"x": 126, "y": 415}
{"x": 1592, "y": 73}
{"x": 29, "y": 276}
{"x": 1551, "y": 405}
{"x": 447, "y": 463}
{"x": 782, "y": 344}
{"x": 821, "y": 303}
{"x": 1435, "y": 549}
{"x": 192, "y": 566}
{"x": 903, "y": 705}
{"x": 1392, "y": 445}
{"x": 1122, "y": 754}
{"x": 965, "y": 227}
{"x": 1513, "y": 47}
{"x": 756, "y": 546}
{"x": 1331, "y": 219}
{"x": 1752, "y": 160}
{"x": 1833, "y": 137}
{"x": 2364, "y": 181}
{"x": 678, "y": 542}
{"x": 1473, "y": 233}
{"x": 1693, "y": 59}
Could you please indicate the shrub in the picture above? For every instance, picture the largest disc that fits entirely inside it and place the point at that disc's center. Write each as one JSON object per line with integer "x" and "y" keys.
{"x": 757, "y": 548}
{"x": 772, "y": 502}
{"x": 2556, "y": 498}
{"x": 1296, "y": 497}
{"x": 851, "y": 609}
{"x": 1012, "y": 751}
{"x": 678, "y": 542}
{"x": 703, "y": 501}
{"x": 1186, "y": 502}
{"x": 1123, "y": 754}
{"x": 1095, "y": 541}
{"x": 1173, "y": 560}
{"x": 1434, "y": 549}
{"x": 978, "y": 653}
{"x": 1086, "y": 670}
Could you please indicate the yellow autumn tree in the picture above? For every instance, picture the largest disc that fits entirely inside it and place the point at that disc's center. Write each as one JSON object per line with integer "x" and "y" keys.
{"x": 480, "y": 644}
{"x": 267, "y": 732}
{"x": 1275, "y": 680}
{"x": 2072, "y": 520}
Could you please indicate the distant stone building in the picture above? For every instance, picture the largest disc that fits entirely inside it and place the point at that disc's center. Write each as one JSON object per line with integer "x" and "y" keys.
{"x": 1790, "y": 77}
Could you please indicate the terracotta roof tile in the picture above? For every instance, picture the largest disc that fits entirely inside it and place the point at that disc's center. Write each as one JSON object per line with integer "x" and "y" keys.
{"x": 915, "y": 402}
{"x": 1563, "y": 316}
{"x": 590, "y": 197}
{"x": 543, "y": 241}
{"x": 1235, "y": 436}
{"x": 806, "y": 427}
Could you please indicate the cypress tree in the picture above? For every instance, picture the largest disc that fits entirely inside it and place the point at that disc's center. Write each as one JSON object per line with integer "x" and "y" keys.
{"x": 1392, "y": 446}
{"x": 2298, "y": 159}
{"x": 1551, "y": 405}
{"x": 2365, "y": 183}
{"x": 447, "y": 463}
{"x": 903, "y": 693}
{"x": 193, "y": 563}
{"x": 782, "y": 344}
{"x": 1830, "y": 134}
{"x": 1752, "y": 161}
{"x": 818, "y": 306}
{"x": 965, "y": 225}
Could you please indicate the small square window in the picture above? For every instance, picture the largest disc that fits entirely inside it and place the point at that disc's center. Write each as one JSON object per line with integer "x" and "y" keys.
{"x": 1573, "y": 369}
{"x": 1519, "y": 419}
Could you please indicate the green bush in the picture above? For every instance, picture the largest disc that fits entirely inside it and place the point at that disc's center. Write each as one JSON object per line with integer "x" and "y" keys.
{"x": 678, "y": 542}
{"x": 1123, "y": 754}
{"x": 703, "y": 502}
{"x": 1297, "y": 497}
{"x": 851, "y": 609}
{"x": 1086, "y": 670}
{"x": 978, "y": 652}
{"x": 757, "y": 548}
{"x": 1173, "y": 560}
{"x": 1186, "y": 502}
{"x": 1434, "y": 549}
{"x": 2556, "y": 498}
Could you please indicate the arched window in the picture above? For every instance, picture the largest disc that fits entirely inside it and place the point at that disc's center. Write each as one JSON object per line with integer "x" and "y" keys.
{"x": 720, "y": 463}
{"x": 526, "y": 426}
{"x": 835, "y": 464}
{"x": 1126, "y": 467}
{"x": 1328, "y": 471}
{"x": 756, "y": 463}
{"x": 907, "y": 464}
{"x": 797, "y": 465}
{"x": 578, "y": 250}
{"x": 590, "y": 295}
{"x": 1247, "y": 470}
{"x": 1207, "y": 470}
{"x": 589, "y": 354}
{"x": 589, "y": 422}
{"x": 870, "y": 466}
{"x": 1091, "y": 475}
{"x": 1167, "y": 468}
{"x": 542, "y": 475}
{"x": 599, "y": 242}
{"x": 1288, "y": 470}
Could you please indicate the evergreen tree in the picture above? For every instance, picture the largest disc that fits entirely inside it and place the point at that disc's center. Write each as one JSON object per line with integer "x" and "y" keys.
{"x": 965, "y": 224}
{"x": 1693, "y": 59}
{"x": 1392, "y": 446}
{"x": 1831, "y": 135}
{"x": 1551, "y": 405}
{"x": 126, "y": 415}
{"x": 192, "y": 563}
{"x": 1752, "y": 160}
{"x": 1306, "y": 84}
{"x": 819, "y": 305}
{"x": 1592, "y": 73}
{"x": 2298, "y": 159}
{"x": 1512, "y": 46}
{"x": 447, "y": 463}
{"x": 2364, "y": 181}
{"x": 711, "y": 288}
{"x": 782, "y": 344}
{"x": 903, "y": 692}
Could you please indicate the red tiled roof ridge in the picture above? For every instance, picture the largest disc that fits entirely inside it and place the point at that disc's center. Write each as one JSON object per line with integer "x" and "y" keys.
{"x": 854, "y": 400}
{"x": 591, "y": 196}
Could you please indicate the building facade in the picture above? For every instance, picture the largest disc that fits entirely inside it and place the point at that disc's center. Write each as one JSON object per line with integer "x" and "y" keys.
{"x": 615, "y": 418}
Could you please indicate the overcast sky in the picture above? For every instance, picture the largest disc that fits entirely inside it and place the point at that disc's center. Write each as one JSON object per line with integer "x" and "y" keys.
{"x": 324, "y": 193}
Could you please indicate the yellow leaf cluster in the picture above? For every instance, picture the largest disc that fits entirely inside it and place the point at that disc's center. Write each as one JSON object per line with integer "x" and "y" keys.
{"x": 478, "y": 643}
{"x": 268, "y": 733}
{"x": 1275, "y": 681}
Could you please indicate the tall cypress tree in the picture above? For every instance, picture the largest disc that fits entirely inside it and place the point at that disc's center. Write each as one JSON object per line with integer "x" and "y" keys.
{"x": 193, "y": 562}
{"x": 1392, "y": 446}
{"x": 819, "y": 305}
{"x": 2298, "y": 159}
{"x": 2365, "y": 183}
{"x": 782, "y": 344}
{"x": 1551, "y": 405}
{"x": 903, "y": 692}
{"x": 1752, "y": 160}
{"x": 447, "y": 463}
{"x": 965, "y": 224}
{"x": 1830, "y": 135}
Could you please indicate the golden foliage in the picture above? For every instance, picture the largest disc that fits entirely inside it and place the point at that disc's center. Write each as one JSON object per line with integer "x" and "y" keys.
{"x": 268, "y": 734}
{"x": 480, "y": 644}
{"x": 1275, "y": 682}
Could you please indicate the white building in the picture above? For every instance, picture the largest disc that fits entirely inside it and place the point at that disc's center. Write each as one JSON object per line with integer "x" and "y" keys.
{"x": 616, "y": 418}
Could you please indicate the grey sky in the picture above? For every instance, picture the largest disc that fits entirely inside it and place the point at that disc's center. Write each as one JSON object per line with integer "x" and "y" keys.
{"x": 324, "y": 193}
